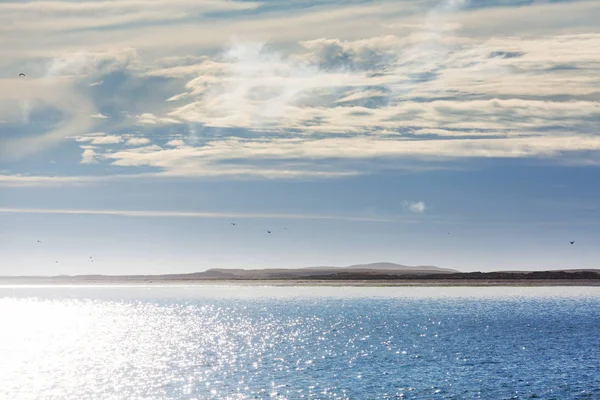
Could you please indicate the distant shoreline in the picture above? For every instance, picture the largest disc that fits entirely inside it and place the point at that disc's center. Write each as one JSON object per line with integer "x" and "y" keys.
{"x": 365, "y": 275}
{"x": 303, "y": 282}
{"x": 328, "y": 276}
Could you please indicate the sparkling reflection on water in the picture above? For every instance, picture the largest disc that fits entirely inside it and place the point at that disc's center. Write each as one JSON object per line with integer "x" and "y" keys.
{"x": 299, "y": 343}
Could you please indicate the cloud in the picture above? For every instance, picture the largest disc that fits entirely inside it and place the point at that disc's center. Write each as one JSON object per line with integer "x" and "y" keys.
{"x": 182, "y": 27}
{"x": 55, "y": 96}
{"x": 331, "y": 157}
{"x": 100, "y": 116}
{"x": 352, "y": 148}
{"x": 43, "y": 17}
{"x": 192, "y": 214}
{"x": 337, "y": 92}
{"x": 19, "y": 180}
{"x": 99, "y": 139}
{"x": 89, "y": 64}
{"x": 53, "y": 88}
{"x": 88, "y": 156}
{"x": 330, "y": 89}
{"x": 191, "y": 25}
{"x": 415, "y": 207}
{"x": 151, "y": 119}
{"x": 176, "y": 143}
{"x": 22, "y": 180}
{"x": 240, "y": 172}
{"x": 138, "y": 141}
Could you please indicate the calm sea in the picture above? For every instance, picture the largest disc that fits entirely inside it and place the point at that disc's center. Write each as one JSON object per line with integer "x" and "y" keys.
{"x": 230, "y": 342}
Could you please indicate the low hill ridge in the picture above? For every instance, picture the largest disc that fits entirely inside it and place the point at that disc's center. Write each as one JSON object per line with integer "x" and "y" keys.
{"x": 381, "y": 271}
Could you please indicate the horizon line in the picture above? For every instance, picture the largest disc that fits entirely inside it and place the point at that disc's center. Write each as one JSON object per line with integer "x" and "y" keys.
{"x": 455, "y": 271}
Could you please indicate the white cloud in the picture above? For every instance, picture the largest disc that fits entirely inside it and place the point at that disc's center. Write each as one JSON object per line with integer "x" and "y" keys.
{"x": 386, "y": 80}
{"x": 151, "y": 119}
{"x": 56, "y": 95}
{"x": 19, "y": 180}
{"x": 99, "y": 139}
{"x": 416, "y": 207}
{"x": 100, "y": 116}
{"x": 88, "y": 156}
{"x": 326, "y": 89}
{"x": 176, "y": 143}
{"x": 39, "y": 18}
{"x": 156, "y": 29}
{"x": 189, "y": 28}
{"x": 91, "y": 63}
{"x": 215, "y": 157}
{"x": 53, "y": 86}
{"x": 138, "y": 141}
{"x": 23, "y": 180}
{"x": 191, "y": 214}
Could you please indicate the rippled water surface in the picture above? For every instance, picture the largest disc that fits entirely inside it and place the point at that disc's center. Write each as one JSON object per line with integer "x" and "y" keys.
{"x": 209, "y": 342}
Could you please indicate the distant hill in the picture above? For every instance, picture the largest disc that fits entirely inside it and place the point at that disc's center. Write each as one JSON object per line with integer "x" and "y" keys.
{"x": 371, "y": 272}
{"x": 386, "y": 266}
{"x": 381, "y": 268}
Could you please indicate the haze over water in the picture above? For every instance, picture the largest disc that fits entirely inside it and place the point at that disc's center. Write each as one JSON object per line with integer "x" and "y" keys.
{"x": 235, "y": 342}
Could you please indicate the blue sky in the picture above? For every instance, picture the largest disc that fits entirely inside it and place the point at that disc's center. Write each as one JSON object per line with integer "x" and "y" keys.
{"x": 462, "y": 134}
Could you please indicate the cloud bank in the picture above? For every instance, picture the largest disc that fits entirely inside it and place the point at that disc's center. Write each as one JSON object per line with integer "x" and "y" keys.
{"x": 433, "y": 83}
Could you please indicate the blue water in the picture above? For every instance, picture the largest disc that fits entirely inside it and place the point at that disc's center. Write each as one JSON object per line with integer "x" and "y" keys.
{"x": 299, "y": 343}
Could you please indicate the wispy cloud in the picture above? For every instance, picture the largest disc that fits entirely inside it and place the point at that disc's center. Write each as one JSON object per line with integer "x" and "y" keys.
{"x": 91, "y": 156}
{"x": 98, "y": 139}
{"x": 99, "y": 116}
{"x": 138, "y": 141}
{"x": 55, "y": 92}
{"x": 151, "y": 119}
{"x": 191, "y": 214}
{"x": 58, "y": 16}
{"x": 424, "y": 80}
{"x": 21, "y": 180}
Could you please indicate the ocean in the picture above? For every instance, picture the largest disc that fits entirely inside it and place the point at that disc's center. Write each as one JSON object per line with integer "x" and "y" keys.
{"x": 264, "y": 342}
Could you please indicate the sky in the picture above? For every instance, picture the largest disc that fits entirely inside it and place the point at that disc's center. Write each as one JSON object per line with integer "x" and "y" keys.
{"x": 457, "y": 133}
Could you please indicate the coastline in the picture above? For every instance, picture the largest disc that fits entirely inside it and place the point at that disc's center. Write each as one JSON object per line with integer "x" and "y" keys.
{"x": 303, "y": 282}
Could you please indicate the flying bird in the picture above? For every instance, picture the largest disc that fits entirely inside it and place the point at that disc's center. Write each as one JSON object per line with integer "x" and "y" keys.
{"x": 268, "y": 231}
{"x": 233, "y": 223}
{"x": 21, "y": 74}
{"x": 39, "y": 241}
{"x": 571, "y": 241}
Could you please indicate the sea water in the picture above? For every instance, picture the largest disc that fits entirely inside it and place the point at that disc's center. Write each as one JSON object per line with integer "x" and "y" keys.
{"x": 252, "y": 342}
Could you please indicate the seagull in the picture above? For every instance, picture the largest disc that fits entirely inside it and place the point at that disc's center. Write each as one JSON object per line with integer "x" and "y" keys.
{"x": 571, "y": 241}
{"x": 21, "y": 74}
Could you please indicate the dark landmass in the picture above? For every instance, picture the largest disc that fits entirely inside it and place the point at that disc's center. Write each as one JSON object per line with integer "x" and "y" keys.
{"x": 376, "y": 274}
